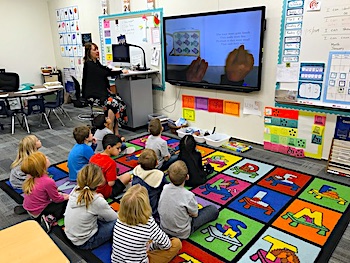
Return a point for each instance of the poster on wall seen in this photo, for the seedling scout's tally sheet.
(86, 38)
(68, 29)
(293, 132)
(314, 55)
(126, 5)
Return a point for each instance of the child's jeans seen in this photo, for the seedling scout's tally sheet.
(205, 215)
(103, 234)
(123, 146)
(166, 164)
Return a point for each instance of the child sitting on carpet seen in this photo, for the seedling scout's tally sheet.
(26, 147)
(136, 236)
(153, 179)
(193, 160)
(178, 207)
(89, 220)
(159, 145)
(113, 185)
(102, 124)
(81, 151)
(41, 197)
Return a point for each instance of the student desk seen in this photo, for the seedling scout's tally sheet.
(36, 91)
(14, 99)
(135, 89)
(28, 242)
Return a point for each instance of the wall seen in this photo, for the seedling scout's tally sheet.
(246, 127)
(26, 38)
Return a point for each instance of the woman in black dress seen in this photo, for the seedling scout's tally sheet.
(96, 86)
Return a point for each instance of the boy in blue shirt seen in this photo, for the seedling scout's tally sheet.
(81, 152)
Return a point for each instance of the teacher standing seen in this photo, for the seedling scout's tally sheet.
(96, 86)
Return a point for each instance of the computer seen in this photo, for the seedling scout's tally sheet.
(121, 55)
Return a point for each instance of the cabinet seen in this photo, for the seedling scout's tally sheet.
(137, 94)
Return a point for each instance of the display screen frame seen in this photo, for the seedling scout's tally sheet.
(180, 78)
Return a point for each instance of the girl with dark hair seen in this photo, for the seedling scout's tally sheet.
(193, 159)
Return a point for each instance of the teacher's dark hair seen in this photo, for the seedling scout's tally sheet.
(88, 47)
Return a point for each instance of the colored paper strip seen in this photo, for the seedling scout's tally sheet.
(106, 24)
(201, 103)
(189, 114)
(281, 113)
(215, 105)
(231, 108)
(188, 101)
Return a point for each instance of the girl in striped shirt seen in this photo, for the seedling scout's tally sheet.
(136, 236)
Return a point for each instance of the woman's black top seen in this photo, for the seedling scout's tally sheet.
(95, 82)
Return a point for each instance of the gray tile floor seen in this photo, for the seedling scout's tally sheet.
(58, 142)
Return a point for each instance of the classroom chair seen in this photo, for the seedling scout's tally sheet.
(52, 106)
(95, 109)
(35, 106)
(4, 112)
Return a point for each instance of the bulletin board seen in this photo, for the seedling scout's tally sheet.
(141, 28)
(313, 71)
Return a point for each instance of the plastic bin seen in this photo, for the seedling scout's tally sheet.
(200, 138)
(157, 115)
(182, 132)
(190, 130)
(216, 139)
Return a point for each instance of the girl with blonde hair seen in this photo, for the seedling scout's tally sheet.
(41, 197)
(137, 237)
(89, 220)
(26, 147)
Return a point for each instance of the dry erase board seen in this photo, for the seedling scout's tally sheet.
(314, 55)
(141, 28)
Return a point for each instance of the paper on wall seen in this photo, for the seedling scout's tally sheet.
(287, 72)
(155, 57)
(252, 107)
(136, 59)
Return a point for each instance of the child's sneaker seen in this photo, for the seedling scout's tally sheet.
(128, 150)
(47, 222)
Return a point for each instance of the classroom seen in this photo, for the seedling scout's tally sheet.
(33, 38)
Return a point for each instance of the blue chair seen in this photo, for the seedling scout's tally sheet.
(4, 112)
(35, 106)
(57, 105)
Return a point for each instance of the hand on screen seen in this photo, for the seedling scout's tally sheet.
(238, 64)
(196, 70)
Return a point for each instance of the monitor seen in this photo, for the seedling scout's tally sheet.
(121, 55)
(216, 50)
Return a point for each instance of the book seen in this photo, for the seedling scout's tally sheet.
(237, 146)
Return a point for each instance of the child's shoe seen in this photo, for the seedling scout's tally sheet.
(47, 222)
(19, 210)
(128, 150)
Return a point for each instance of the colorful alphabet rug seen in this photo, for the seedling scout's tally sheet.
(268, 214)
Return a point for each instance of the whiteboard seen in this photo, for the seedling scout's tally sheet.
(314, 54)
(141, 28)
